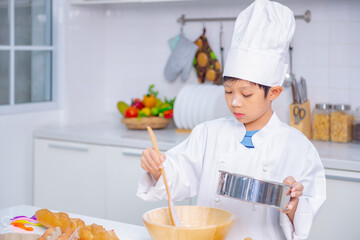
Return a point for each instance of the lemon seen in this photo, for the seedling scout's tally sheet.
(146, 110)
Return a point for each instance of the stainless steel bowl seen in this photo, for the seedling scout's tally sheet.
(253, 190)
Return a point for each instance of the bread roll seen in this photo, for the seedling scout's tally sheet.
(75, 223)
(47, 218)
(64, 220)
(85, 233)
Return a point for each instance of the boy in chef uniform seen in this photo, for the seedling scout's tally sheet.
(252, 142)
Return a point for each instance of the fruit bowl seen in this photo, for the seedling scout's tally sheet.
(142, 123)
(198, 223)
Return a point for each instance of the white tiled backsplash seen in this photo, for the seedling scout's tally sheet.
(116, 51)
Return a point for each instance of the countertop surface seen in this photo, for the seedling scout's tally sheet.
(124, 231)
(112, 134)
(334, 155)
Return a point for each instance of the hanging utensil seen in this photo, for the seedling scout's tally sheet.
(304, 87)
(290, 77)
(293, 92)
(173, 214)
(221, 40)
(297, 91)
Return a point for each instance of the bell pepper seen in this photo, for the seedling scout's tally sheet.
(168, 113)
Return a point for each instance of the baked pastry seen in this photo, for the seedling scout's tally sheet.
(70, 225)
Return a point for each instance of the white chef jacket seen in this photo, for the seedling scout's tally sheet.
(280, 151)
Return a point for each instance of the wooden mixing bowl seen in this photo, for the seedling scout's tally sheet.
(197, 223)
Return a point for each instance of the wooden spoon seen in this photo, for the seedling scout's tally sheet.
(175, 220)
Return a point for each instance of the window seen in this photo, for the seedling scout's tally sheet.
(27, 55)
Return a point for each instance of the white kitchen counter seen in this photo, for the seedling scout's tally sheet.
(112, 134)
(124, 231)
(334, 155)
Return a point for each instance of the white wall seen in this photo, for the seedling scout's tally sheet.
(116, 51)
(16, 154)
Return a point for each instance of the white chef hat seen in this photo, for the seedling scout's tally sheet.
(261, 38)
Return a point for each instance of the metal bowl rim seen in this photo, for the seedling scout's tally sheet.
(258, 179)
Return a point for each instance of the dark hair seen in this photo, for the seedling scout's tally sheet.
(266, 88)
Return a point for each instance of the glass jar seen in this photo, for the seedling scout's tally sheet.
(341, 123)
(321, 122)
(357, 125)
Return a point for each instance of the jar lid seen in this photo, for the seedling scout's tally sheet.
(323, 106)
(342, 107)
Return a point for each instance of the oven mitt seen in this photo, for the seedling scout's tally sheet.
(173, 41)
(180, 59)
(206, 65)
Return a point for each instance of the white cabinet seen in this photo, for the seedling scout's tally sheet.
(339, 216)
(124, 172)
(70, 177)
(94, 180)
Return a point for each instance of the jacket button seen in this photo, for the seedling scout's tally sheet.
(217, 200)
(255, 207)
(265, 169)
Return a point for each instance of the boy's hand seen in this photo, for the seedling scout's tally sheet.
(295, 192)
(151, 163)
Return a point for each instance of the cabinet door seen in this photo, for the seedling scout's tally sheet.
(70, 177)
(339, 216)
(124, 172)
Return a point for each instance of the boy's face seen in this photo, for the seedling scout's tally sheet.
(247, 101)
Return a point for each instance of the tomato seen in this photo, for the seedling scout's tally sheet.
(137, 103)
(131, 112)
(149, 101)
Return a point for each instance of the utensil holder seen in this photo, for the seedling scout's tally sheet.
(300, 118)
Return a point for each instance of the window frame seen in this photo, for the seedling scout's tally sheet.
(58, 66)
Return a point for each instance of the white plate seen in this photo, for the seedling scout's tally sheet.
(202, 104)
(178, 106)
(210, 102)
(184, 102)
(220, 108)
(194, 106)
(186, 107)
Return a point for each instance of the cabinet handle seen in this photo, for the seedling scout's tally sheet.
(342, 175)
(72, 148)
(132, 154)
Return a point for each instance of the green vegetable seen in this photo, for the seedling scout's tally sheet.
(151, 91)
(171, 102)
(154, 111)
(164, 109)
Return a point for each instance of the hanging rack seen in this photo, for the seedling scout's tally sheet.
(182, 20)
